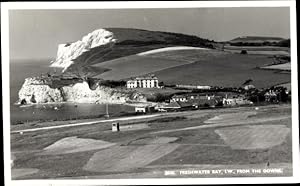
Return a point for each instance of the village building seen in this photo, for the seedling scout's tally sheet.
(271, 96)
(182, 98)
(236, 101)
(144, 109)
(249, 87)
(149, 81)
(192, 96)
(168, 107)
(196, 100)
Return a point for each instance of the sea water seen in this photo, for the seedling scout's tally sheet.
(21, 69)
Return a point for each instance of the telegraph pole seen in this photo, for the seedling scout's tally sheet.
(107, 114)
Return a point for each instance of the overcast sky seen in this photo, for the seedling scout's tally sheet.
(35, 34)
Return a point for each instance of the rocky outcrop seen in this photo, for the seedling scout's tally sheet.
(68, 52)
(34, 90)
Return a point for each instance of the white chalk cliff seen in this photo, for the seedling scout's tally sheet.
(34, 90)
(68, 52)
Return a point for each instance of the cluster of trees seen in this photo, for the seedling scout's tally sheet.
(219, 89)
(112, 83)
(285, 43)
(280, 95)
(159, 97)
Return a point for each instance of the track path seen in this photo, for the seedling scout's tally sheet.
(87, 123)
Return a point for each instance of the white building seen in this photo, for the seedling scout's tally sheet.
(149, 81)
(236, 101)
(144, 109)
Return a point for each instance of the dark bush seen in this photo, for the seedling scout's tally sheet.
(113, 84)
(158, 97)
(284, 43)
(161, 84)
(244, 52)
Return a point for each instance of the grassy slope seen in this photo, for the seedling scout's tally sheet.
(211, 67)
(224, 70)
(198, 67)
(129, 42)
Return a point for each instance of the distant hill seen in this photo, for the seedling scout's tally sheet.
(255, 39)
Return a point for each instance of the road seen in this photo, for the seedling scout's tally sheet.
(87, 123)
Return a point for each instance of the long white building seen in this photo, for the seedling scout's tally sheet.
(149, 81)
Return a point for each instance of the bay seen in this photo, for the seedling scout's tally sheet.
(19, 70)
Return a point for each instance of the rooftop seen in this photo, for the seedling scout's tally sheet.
(150, 76)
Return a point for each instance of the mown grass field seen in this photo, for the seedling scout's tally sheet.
(145, 152)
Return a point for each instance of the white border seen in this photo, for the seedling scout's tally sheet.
(163, 4)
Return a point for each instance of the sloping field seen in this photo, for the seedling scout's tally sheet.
(135, 66)
(154, 60)
(254, 137)
(74, 144)
(151, 61)
(284, 66)
(196, 66)
(227, 70)
(129, 42)
(124, 158)
(188, 55)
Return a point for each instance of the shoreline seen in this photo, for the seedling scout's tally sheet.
(112, 115)
(56, 105)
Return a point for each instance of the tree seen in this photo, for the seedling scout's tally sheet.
(161, 84)
(244, 52)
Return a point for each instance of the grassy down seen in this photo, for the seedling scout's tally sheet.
(229, 70)
(202, 146)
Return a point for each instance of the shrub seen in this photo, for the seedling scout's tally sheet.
(244, 52)
(158, 97)
(113, 84)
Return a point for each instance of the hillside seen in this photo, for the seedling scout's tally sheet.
(173, 58)
(195, 66)
(255, 39)
(111, 43)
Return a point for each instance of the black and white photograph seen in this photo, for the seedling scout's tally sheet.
(99, 92)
